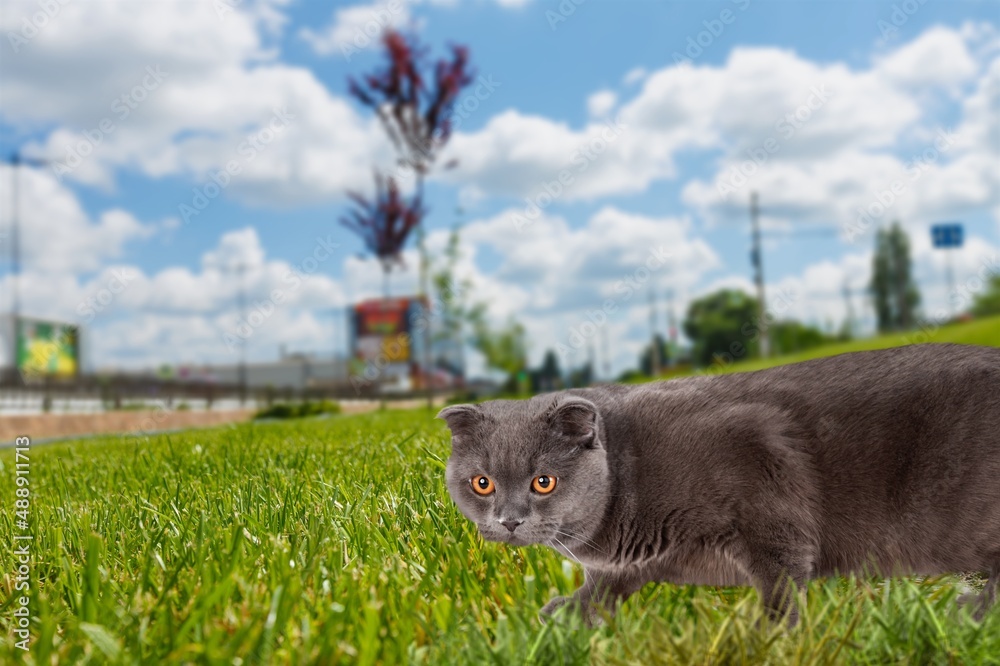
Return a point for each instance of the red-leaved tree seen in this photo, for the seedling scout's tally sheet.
(416, 116)
(384, 222)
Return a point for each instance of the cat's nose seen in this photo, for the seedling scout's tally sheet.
(511, 525)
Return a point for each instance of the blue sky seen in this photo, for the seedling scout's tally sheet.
(886, 82)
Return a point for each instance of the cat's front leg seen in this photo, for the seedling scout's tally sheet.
(600, 594)
(780, 575)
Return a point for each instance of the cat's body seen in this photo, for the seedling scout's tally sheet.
(882, 462)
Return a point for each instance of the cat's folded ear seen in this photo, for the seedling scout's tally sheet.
(576, 420)
(461, 420)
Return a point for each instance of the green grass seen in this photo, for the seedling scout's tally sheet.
(334, 541)
(979, 332)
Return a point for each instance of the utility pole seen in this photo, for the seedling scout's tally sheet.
(848, 309)
(591, 362)
(951, 281)
(425, 292)
(15, 161)
(606, 352)
(756, 259)
(672, 329)
(240, 269)
(653, 347)
(15, 240)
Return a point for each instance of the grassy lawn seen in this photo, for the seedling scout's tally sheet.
(979, 332)
(334, 541)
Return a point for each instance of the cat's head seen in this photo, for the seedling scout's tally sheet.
(527, 470)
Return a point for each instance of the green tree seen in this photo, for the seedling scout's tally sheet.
(452, 298)
(988, 302)
(722, 323)
(582, 376)
(893, 290)
(549, 375)
(505, 349)
(464, 321)
(788, 337)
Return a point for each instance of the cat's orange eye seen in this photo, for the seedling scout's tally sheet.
(543, 484)
(482, 485)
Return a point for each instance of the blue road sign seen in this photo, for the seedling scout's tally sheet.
(947, 235)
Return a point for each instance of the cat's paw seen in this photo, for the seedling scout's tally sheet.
(977, 604)
(555, 603)
(590, 615)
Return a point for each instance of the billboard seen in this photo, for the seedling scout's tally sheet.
(46, 348)
(381, 329)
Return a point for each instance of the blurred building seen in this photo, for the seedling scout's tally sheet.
(291, 371)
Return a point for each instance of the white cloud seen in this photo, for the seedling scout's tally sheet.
(835, 135)
(554, 277)
(357, 27)
(634, 75)
(939, 57)
(601, 103)
(734, 107)
(218, 89)
(57, 235)
(135, 319)
(76, 269)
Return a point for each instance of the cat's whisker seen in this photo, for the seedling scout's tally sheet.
(582, 539)
(571, 554)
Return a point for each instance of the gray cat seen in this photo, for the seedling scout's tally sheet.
(883, 462)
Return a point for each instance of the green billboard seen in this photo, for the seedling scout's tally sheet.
(47, 349)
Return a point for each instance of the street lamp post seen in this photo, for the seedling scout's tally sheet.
(15, 161)
(241, 296)
(241, 270)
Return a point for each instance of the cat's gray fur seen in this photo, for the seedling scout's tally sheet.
(882, 462)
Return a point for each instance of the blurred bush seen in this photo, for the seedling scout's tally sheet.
(286, 410)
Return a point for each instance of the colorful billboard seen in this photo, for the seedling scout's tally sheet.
(381, 329)
(46, 348)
